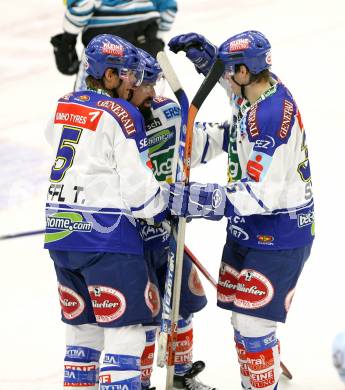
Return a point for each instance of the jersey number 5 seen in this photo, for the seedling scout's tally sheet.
(66, 151)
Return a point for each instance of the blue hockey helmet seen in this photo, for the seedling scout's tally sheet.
(250, 48)
(109, 51)
(152, 70)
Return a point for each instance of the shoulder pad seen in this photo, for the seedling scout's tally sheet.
(125, 114)
(273, 116)
(160, 101)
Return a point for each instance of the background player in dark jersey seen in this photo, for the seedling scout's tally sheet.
(144, 23)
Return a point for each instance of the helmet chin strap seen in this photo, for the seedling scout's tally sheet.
(243, 86)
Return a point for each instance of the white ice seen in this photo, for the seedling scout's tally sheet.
(308, 54)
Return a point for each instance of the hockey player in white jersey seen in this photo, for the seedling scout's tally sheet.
(163, 120)
(100, 182)
(268, 200)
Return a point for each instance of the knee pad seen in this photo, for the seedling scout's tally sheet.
(125, 340)
(250, 326)
(87, 335)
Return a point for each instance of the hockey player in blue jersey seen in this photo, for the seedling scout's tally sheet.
(268, 199)
(100, 182)
(144, 23)
(162, 132)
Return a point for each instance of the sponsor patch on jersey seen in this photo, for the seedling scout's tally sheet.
(239, 44)
(72, 304)
(254, 290)
(265, 239)
(152, 298)
(227, 283)
(257, 165)
(65, 223)
(152, 124)
(238, 232)
(108, 303)
(123, 116)
(305, 219)
(83, 98)
(252, 123)
(172, 112)
(112, 49)
(77, 115)
(286, 124)
(194, 283)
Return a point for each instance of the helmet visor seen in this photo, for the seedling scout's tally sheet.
(133, 77)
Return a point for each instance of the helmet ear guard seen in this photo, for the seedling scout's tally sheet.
(250, 48)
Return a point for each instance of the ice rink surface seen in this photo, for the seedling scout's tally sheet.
(308, 55)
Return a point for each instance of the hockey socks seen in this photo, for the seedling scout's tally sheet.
(263, 361)
(81, 367)
(120, 372)
(184, 349)
(242, 360)
(148, 356)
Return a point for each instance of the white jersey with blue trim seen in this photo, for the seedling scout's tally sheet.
(82, 15)
(101, 178)
(270, 186)
(163, 134)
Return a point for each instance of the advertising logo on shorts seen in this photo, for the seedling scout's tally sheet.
(254, 290)
(108, 304)
(72, 304)
(194, 283)
(288, 299)
(152, 298)
(227, 283)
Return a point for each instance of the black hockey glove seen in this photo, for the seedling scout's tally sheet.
(198, 49)
(66, 57)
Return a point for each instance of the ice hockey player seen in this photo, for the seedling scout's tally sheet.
(144, 23)
(163, 120)
(268, 200)
(100, 181)
(338, 354)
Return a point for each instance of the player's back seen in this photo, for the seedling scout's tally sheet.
(101, 175)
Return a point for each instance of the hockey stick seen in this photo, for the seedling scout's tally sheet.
(285, 371)
(198, 100)
(22, 234)
(177, 174)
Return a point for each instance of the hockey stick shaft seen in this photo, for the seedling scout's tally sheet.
(21, 234)
(199, 98)
(200, 267)
(173, 270)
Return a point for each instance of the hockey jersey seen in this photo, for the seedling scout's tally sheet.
(163, 134)
(94, 16)
(101, 178)
(270, 190)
